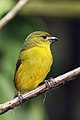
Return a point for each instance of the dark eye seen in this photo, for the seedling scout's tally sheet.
(44, 36)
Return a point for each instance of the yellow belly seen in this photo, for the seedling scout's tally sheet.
(36, 63)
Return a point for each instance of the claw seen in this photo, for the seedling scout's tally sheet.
(20, 98)
(47, 83)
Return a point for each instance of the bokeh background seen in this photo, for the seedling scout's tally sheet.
(61, 18)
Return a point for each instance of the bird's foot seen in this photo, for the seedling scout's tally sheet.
(20, 98)
(47, 83)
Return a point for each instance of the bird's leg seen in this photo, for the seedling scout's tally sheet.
(20, 98)
(47, 83)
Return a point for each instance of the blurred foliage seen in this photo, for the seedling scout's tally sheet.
(64, 102)
(5, 5)
(65, 8)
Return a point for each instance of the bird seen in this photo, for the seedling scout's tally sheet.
(34, 62)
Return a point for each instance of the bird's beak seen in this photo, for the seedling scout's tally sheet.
(52, 39)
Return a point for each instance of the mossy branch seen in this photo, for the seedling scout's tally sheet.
(53, 83)
(12, 13)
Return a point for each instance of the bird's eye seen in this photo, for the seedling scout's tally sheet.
(44, 36)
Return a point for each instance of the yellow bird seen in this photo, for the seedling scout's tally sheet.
(34, 63)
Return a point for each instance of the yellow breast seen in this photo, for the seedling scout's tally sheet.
(36, 63)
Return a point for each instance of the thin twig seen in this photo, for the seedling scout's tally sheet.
(12, 13)
(53, 83)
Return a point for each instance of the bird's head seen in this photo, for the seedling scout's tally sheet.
(39, 38)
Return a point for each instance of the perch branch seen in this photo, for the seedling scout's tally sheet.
(53, 83)
(12, 13)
